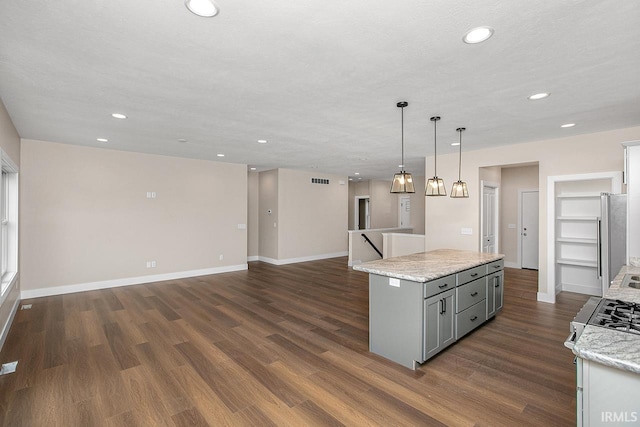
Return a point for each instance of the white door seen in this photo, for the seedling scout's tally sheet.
(405, 211)
(529, 232)
(489, 215)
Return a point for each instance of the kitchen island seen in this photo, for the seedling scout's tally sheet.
(419, 304)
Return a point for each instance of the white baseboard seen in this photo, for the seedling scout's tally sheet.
(580, 289)
(253, 258)
(7, 325)
(302, 259)
(545, 297)
(511, 264)
(105, 284)
(354, 262)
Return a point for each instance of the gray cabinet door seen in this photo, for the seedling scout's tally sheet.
(439, 322)
(495, 293)
(432, 309)
(499, 291)
(447, 320)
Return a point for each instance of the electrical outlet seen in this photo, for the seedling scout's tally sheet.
(221, 257)
(153, 264)
(148, 264)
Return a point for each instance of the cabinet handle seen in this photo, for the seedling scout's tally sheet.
(443, 286)
(444, 306)
(473, 275)
(473, 319)
(497, 285)
(473, 294)
(496, 266)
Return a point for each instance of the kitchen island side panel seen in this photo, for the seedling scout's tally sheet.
(396, 319)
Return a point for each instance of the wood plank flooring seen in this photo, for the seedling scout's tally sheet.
(277, 346)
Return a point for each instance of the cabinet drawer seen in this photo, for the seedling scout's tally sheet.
(439, 285)
(471, 318)
(495, 266)
(470, 294)
(471, 274)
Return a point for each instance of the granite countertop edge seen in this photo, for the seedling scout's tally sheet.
(427, 266)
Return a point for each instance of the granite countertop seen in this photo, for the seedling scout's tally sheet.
(426, 266)
(613, 348)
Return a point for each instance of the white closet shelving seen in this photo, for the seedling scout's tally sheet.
(576, 236)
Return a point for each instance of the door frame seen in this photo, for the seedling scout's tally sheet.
(519, 222)
(496, 205)
(356, 212)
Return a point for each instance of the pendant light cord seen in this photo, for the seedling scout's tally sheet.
(460, 156)
(435, 148)
(402, 132)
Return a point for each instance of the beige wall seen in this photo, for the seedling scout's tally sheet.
(313, 217)
(253, 204)
(513, 179)
(268, 200)
(10, 144)
(85, 215)
(383, 204)
(598, 152)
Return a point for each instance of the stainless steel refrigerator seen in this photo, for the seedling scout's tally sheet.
(612, 237)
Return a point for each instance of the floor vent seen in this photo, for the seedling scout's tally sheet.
(26, 306)
(8, 368)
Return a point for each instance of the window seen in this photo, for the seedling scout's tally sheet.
(8, 223)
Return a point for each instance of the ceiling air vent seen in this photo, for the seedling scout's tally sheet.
(319, 181)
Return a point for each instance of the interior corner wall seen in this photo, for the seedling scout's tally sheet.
(268, 214)
(10, 144)
(253, 203)
(313, 217)
(513, 179)
(597, 152)
(86, 218)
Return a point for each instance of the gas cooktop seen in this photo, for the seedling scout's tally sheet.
(618, 315)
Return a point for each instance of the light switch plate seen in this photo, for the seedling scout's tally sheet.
(466, 231)
(512, 226)
(394, 282)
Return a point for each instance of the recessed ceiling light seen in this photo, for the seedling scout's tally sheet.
(102, 140)
(568, 125)
(220, 155)
(357, 173)
(455, 144)
(262, 141)
(118, 116)
(539, 96)
(253, 169)
(350, 179)
(477, 35)
(204, 8)
(182, 140)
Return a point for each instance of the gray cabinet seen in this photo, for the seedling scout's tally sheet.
(495, 293)
(471, 308)
(410, 321)
(439, 322)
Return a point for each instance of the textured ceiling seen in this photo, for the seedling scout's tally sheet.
(318, 79)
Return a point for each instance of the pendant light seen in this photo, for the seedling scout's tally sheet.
(402, 181)
(435, 185)
(459, 188)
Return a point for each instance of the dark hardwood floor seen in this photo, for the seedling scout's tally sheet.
(277, 346)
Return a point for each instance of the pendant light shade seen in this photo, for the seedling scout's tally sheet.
(459, 188)
(402, 181)
(435, 185)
